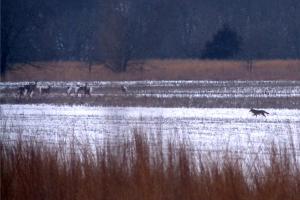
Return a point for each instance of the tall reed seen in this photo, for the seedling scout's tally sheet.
(142, 168)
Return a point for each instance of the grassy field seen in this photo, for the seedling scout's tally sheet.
(205, 94)
(173, 69)
(139, 168)
(123, 101)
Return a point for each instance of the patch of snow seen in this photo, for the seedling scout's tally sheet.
(207, 129)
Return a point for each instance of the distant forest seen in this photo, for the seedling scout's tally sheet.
(97, 30)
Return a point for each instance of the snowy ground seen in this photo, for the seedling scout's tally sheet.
(212, 129)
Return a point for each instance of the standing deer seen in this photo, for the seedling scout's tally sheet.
(69, 90)
(22, 91)
(124, 88)
(44, 90)
(31, 88)
(27, 89)
(84, 89)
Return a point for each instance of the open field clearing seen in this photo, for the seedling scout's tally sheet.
(238, 94)
(212, 130)
(159, 69)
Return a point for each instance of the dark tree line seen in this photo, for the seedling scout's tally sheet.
(18, 25)
(226, 43)
(117, 31)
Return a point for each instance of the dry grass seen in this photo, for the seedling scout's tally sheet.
(134, 169)
(172, 69)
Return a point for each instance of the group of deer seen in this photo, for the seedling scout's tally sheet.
(29, 89)
(84, 90)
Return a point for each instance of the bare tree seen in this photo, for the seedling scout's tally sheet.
(129, 32)
(248, 54)
(116, 35)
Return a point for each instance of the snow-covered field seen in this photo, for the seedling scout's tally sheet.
(210, 129)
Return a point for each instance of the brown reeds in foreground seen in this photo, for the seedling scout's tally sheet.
(139, 168)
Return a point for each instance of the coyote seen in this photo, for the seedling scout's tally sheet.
(258, 112)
